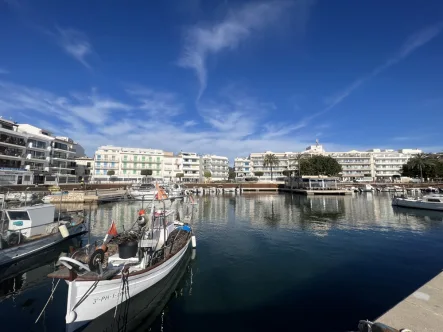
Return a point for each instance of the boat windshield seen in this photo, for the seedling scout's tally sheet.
(18, 215)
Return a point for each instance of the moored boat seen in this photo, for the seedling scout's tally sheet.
(28, 230)
(428, 202)
(104, 277)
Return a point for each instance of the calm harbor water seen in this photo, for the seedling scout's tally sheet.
(269, 261)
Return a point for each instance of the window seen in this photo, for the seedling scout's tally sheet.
(125, 157)
(150, 158)
(150, 165)
(134, 171)
(143, 158)
(113, 165)
(113, 158)
(157, 173)
(158, 159)
(135, 158)
(124, 171)
(18, 215)
(99, 156)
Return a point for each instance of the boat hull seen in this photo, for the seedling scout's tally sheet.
(416, 204)
(140, 312)
(107, 294)
(10, 256)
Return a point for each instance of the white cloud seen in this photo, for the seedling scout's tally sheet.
(76, 44)
(233, 126)
(79, 110)
(415, 41)
(190, 123)
(227, 34)
(156, 103)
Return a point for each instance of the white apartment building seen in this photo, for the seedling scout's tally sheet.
(84, 166)
(192, 167)
(172, 165)
(378, 164)
(52, 157)
(217, 165)
(30, 155)
(243, 168)
(127, 163)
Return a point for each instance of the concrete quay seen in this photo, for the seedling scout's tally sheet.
(422, 311)
(318, 192)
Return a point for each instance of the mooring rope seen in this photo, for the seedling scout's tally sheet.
(47, 302)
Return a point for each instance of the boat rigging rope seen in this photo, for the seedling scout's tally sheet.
(125, 293)
(47, 302)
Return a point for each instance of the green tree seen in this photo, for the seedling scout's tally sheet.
(146, 172)
(258, 173)
(110, 173)
(179, 176)
(298, 161)
(231, 173)
(287, 173)
(320, 165)
(271, 161)
(207, 175)
(421, 164)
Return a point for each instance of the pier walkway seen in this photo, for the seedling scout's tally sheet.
(422, 311)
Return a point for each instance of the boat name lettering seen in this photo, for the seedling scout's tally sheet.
(106, 297)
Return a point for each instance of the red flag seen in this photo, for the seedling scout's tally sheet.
(113, 229)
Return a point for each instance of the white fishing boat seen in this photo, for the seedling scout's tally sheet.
(428, 202)
(135, 261)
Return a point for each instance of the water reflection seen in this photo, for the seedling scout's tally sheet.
(318, 214)
(261, 256)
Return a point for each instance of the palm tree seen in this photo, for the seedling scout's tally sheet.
(298, 162)
(420, 161)
(270, 160)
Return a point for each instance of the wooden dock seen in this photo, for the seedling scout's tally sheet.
(310, 192)
(422, 311)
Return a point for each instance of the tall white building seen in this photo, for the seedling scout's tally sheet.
(127, 163)
(172, 165)
(30, 155)
(243, 168)
(53, 157)
(192, 167)
(380, 165)
(217, 165)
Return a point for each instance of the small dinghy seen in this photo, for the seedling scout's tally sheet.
(103, 277)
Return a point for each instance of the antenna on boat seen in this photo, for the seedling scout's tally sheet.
(60, 205)
(89, 222)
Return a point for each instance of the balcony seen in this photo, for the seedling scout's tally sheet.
(106, 167)
(11, 165)
(33, 144)
(12, 141)
(11, 153)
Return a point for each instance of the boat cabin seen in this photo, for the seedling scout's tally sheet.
(433, 198)
(30, 220)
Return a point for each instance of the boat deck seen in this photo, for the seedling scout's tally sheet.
(176, 241)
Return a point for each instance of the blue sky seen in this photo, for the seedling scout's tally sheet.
(226, 77)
